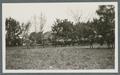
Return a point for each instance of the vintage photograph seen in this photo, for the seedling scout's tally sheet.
(60, 36)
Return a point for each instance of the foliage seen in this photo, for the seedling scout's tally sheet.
(13, 31)
(106, 23)
(63, 29)
(100, 30)
(36, 37)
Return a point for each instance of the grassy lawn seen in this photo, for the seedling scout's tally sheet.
(59, 58)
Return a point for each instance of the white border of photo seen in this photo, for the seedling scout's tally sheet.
(115, 70)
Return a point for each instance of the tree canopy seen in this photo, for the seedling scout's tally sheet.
(101, 29)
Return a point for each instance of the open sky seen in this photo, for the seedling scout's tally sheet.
(24, 12)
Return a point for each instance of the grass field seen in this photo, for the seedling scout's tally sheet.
(59, 58)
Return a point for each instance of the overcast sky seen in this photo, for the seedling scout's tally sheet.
(24, 12)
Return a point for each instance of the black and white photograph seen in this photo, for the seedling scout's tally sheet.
(70, 37)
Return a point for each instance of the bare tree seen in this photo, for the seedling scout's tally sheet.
(42, 22)
(25, 29)
(35, 24)
(76, 15)
(25, 34)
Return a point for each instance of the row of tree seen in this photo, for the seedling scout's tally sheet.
(19, 33)
(99, 30)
